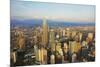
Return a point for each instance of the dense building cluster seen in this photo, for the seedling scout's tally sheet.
(52, 45)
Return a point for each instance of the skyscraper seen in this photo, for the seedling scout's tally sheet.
(52, 36)
(13, 56)
(52, 39)
(43, 51)
(21, 40)
(44, 33)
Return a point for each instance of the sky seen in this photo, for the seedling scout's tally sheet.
(25, 10)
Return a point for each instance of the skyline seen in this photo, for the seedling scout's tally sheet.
(22, 10)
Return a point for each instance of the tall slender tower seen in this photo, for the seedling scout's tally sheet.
(21, 40)
(44, 42)
(52, 36)
(44, 33)
(52, 39)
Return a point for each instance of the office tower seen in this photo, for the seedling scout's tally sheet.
(90, 36)
(52, 40)
(39, 55)
(52, 59)
(58, 46)
(61, 32)
(13, 56)
(73, 34)
(21, 40)
(45, 56)
(35, 37)
(65, 48)
(58, 33)
(44, 33)
(77, 38)
(64, 32)
(42, 55)
(84, 43)
(52, 36)
(74, 57)
(36, 52)
(74, 46)
(68, 32)
(59, 53)
(80, 36)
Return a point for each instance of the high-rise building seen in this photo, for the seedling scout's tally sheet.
(52, 59)
(90, 36)
(74, 57)
(21, 40)
(13, 56)
(75, 46)
(65, 48)
(73, 34)
(52, 40)
(52, 36)
(67, 32)
(36, 51)
(39, 55)
(42, 55)
(64, 32)
(44, 33)
(80, 36)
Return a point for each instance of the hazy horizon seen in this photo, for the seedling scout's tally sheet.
(22, 10)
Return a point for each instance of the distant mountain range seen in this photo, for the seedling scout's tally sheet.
(51, 23)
